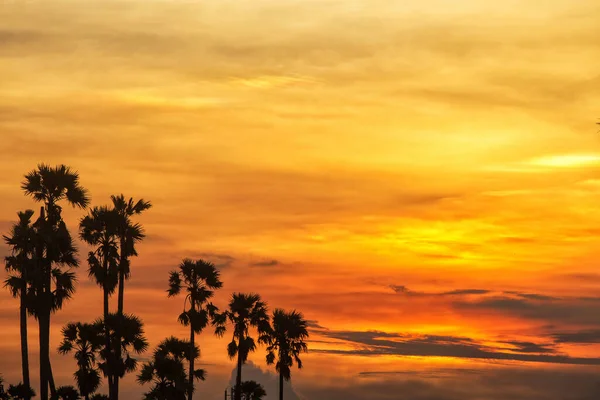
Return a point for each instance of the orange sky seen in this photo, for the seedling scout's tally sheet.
(425, 171)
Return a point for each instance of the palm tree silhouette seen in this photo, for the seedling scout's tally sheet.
(252, 390)
(21, 241)
(19, 392)
(245, 311)
(167, 371)
(86, 341)
(287, 339)
(199, 279)
(99, 229)
(54, 248)
(132, 341)
(129, 234)
(66, 393)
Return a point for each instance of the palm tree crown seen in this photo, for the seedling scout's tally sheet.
(86, 341)
(287, 340)
(167, 371)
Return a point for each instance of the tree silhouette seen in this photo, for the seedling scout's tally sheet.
(21, 240)
(66, 393)
(166, 370)
(99, 396)
(129, 234)
(287, 339)
(19, 392)
(132, 342)
(245, 311)
(252, 390)
(85, 340)
(199, 279)
(99, 229)
(51, 286)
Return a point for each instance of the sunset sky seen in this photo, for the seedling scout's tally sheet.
(420, 179)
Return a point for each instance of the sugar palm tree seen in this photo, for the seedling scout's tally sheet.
(21, 241)
(129, 234)
(287, 340)
(166, 370)
(99, 229)
(133, 341)
(245, 311)
(199, 279)
(66, 393)
(252, 390)
(86, 341)
(54, 248)
(19, 392)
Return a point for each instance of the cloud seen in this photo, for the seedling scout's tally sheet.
(271, 263)
(581, 337)
(375, 343)
(576, 310)
(400, 289)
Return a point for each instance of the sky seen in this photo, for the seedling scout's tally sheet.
(420, 179)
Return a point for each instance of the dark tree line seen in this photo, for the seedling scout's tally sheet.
(41, 275)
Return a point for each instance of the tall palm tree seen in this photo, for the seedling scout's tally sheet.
(252, 390)
(54, 248)
(199, 279)
(21, 241)
(133, 341)
(245, 311)
(166, 370)
(129, 234)
(86, 341)
(99, 229)
(287, 340)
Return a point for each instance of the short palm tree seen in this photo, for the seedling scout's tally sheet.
(19, 264)
(252, 390)
(199, 279)
(166, 370)
(66, 393)
(129, 234)
(245, 311)
(287, 340)
(54, 248)
(99, 229)
(132, 342)
(86, 341)
(19, 392)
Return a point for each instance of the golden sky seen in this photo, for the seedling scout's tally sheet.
(421, 179)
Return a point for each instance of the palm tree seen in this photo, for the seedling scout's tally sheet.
(252, 390)
(19, 392)
(199, 279)
(132, 342)
(245, 311)
(99, 229)
(287, 340)
(129, 234)
(66, 393)
(86, 341)
(166, 370)
(21, 240)
(54, 248)
(99, 396)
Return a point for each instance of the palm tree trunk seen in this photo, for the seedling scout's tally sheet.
(121, 300)
(44, 349)
(107, 349)
(24, 343)
(51, 376)
(238, 379)
(191, 377)
(280, 386)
